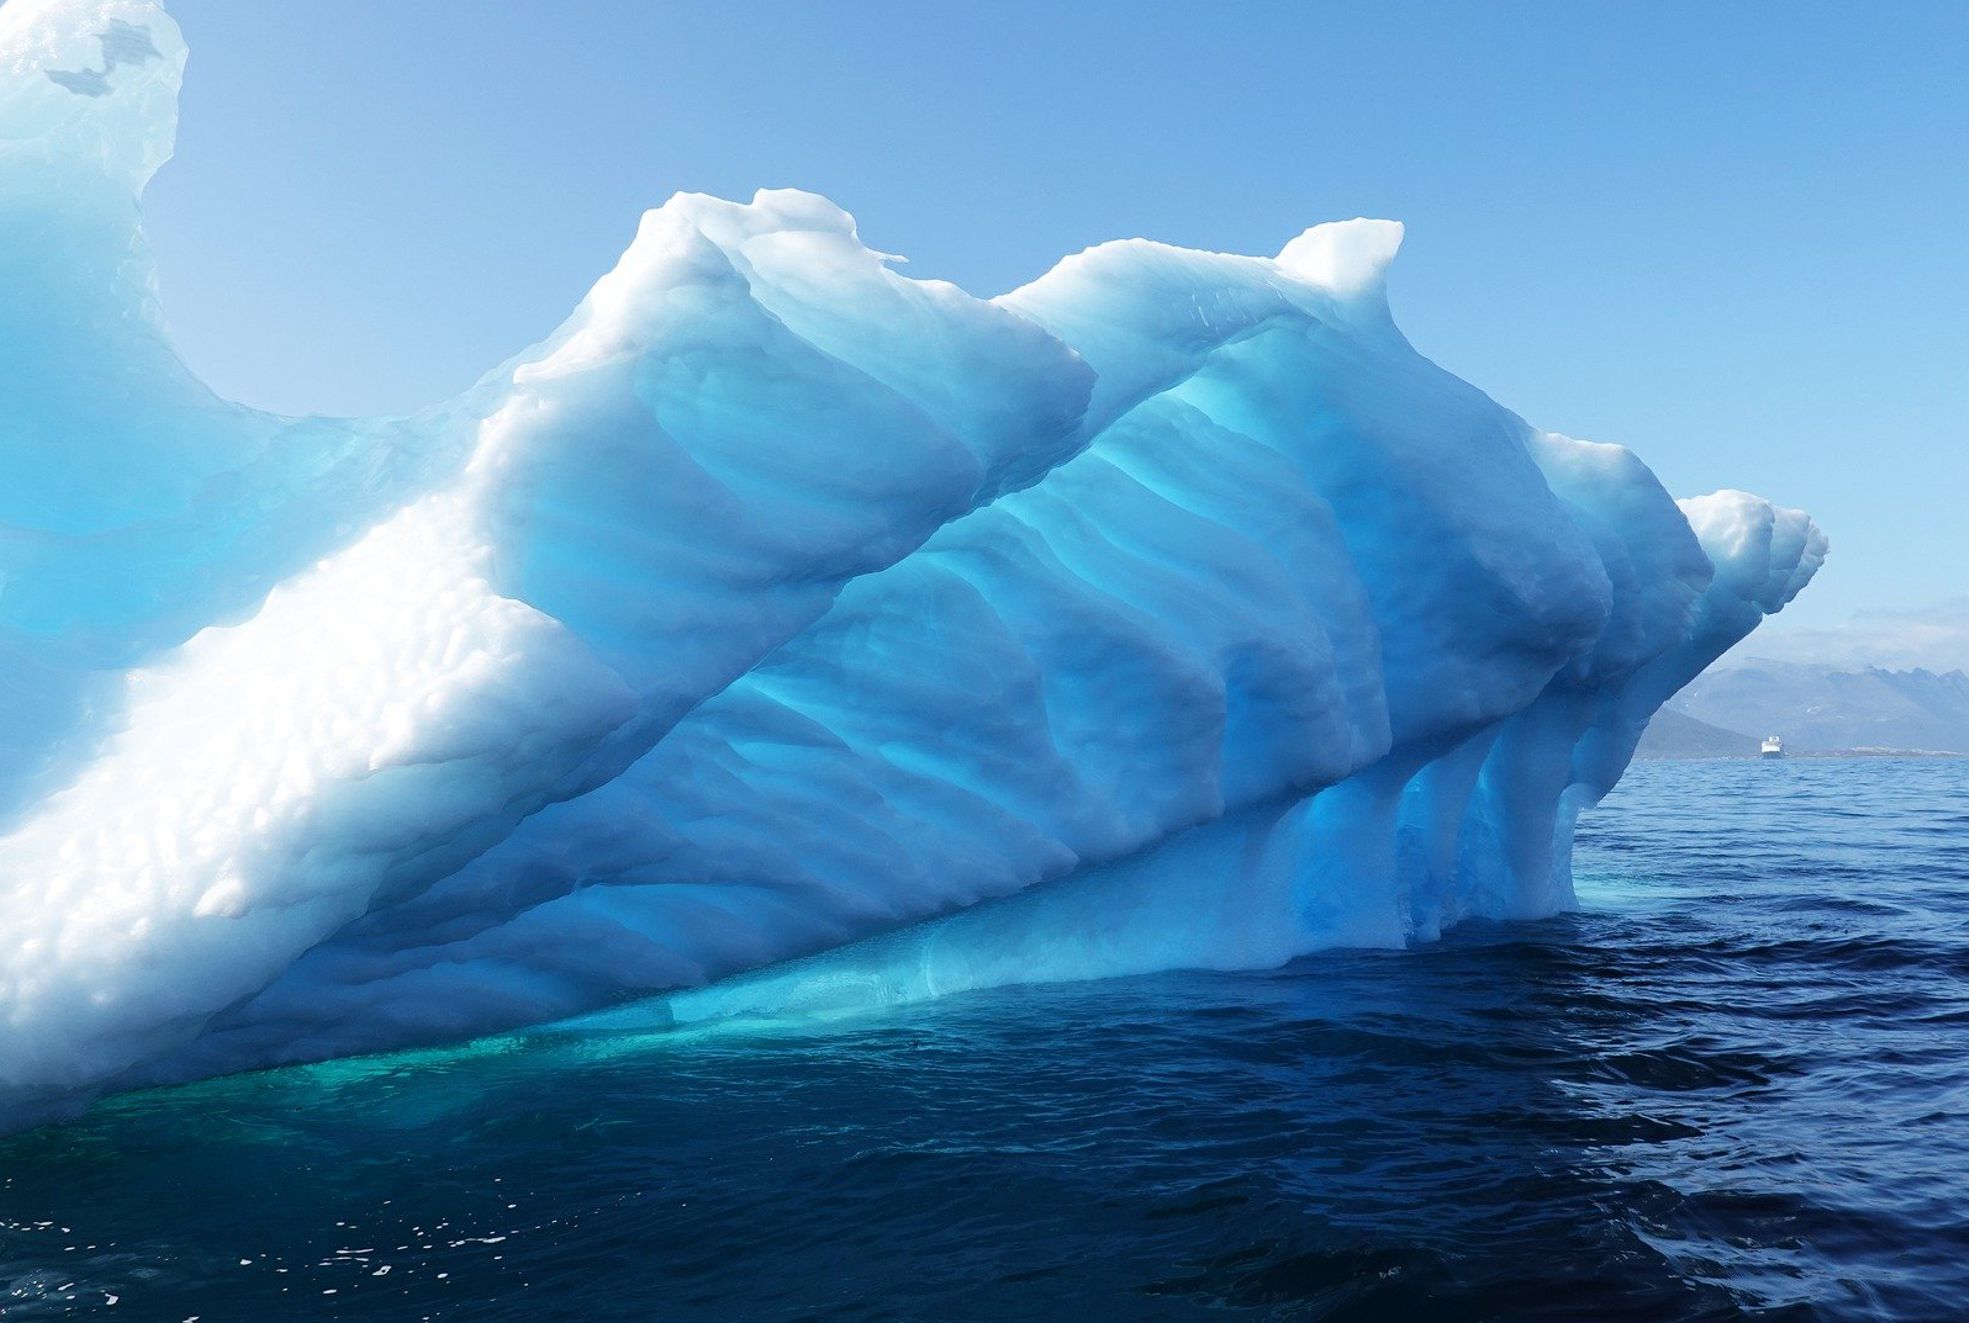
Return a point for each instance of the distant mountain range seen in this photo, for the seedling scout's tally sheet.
(1815, 708)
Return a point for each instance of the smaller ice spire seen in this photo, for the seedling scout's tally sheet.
(90, 84)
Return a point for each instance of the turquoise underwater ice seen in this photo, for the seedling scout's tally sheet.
(1168, 611)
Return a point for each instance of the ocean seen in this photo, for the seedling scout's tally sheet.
(1734, 1085)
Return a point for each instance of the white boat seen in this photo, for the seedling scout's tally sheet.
(1773, 747)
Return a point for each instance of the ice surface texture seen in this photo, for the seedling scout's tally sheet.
(1170, 610)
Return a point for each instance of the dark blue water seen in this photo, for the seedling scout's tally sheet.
(1736, 1086)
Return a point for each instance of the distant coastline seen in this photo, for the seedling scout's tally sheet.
(1644, 755)
(1820, 711)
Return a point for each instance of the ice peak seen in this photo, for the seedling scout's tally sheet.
(1350, 257)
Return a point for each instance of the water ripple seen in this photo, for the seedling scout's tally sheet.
(1735, 1086)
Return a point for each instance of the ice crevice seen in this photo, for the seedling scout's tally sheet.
(780, 632)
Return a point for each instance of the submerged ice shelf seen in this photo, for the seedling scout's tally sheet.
(1170, 610)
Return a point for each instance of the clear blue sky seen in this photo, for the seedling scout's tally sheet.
(1731, 236)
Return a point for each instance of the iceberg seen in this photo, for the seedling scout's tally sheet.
(779, 632)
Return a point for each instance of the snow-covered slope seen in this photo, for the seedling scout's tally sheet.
(1169, 610)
